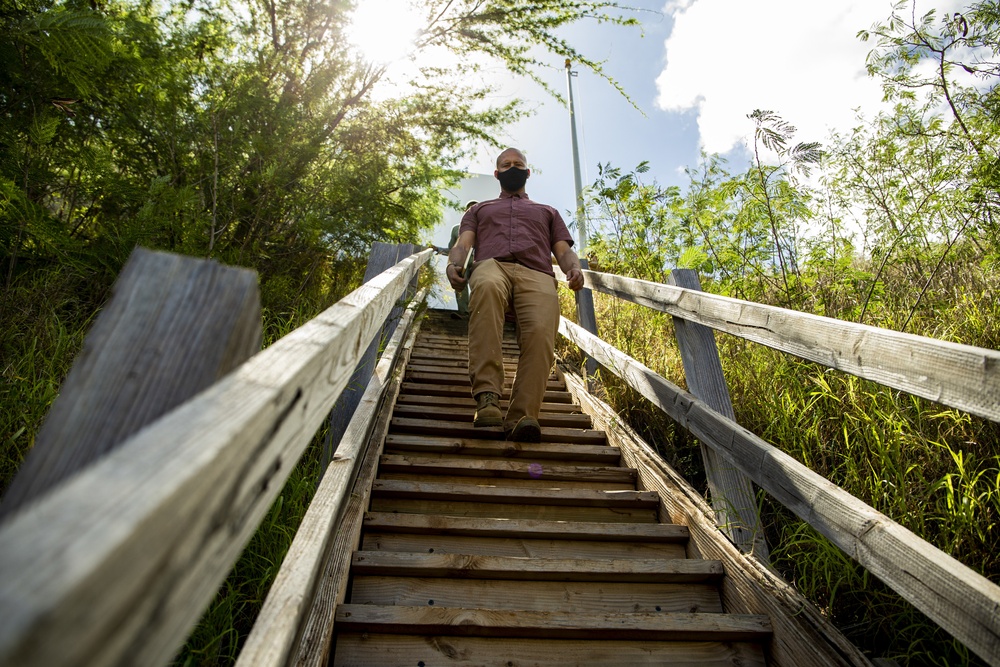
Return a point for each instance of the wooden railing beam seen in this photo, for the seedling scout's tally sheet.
(960, 376)
(135, 546)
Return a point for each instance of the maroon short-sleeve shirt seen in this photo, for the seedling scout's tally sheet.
(514, 227)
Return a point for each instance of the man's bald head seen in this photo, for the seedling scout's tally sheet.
(509, 155)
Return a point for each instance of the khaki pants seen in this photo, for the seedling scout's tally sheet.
(536, 304)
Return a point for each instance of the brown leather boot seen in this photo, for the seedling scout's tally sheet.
(487, 410)
(526, 430)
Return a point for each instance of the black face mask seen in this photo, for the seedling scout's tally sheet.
(513, 179)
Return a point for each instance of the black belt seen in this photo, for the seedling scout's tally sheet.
(508, 260)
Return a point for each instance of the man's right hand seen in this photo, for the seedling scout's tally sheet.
(458, 283)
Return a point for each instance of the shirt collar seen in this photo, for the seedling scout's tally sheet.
(513, 195)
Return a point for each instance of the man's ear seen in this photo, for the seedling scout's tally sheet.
(496, 174)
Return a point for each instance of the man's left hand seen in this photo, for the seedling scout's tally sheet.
(574, 278)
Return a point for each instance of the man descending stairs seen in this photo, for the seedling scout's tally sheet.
(482, 551)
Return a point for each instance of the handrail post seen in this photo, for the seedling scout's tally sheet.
(732, 492)
(174, 326)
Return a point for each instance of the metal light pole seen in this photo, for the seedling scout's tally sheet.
(584, 298)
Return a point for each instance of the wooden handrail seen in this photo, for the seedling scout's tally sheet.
(959, 376)
(280, 621)
(115, 565)
(961, 601)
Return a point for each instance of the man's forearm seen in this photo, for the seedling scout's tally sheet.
(457, 255)
(568, 261)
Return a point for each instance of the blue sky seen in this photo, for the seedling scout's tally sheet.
(695, 70)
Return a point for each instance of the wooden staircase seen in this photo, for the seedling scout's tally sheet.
(478, 551)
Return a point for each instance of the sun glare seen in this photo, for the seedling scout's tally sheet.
(383, 30)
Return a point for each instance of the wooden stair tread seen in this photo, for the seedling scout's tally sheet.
(467, 413)
(467, 430)
(519, 546)
(535, 595)
(466, 566)
(525, 528)
(501, 449)
(547, 624)
(462, 380)
(371, 649)
(467, 401)
(464, 493)
(459, 391)
(411, 464)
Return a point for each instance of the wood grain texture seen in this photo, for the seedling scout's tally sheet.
(515, 546)
(472, 566)
(467, 401)
(289, 599)
(174, 325)
(417, 465)
(462, 493)
(732, 493)
(553, 625)
(565, 596)
(377, 650)
(458, 391)
(467, 430)
(467, 413)
(960, 376)
(137, 544)
(529, 528)
(516, 510)
(381, 257)
(502, 448)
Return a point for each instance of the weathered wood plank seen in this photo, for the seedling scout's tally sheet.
(449, 525)
(533, 548)
(137, 544)
(468, 401)
(550, 396)
(466, 566)
(467, 430)
(553, 625)
(507, 482)
(466, 414)
(961, 376)
(462, 380)
(504, 448)
(515, 510)
(381, 257)
(377, 650)
(288, 601)
(960, 600)
(416, 465)
(461, 493)
(732, 492)
(565, 596)
(174, 325)
(316, 636)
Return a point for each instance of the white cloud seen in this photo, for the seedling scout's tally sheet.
(800, 59)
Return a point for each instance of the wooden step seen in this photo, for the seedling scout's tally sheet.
(565, 596)
(456, 368)
(462, 493)
(428, 444)
(519, 547)
(467, 413)
(417, 465)
(371, 649)
(467, 566)
(467, 401)
(467, 430)
(525, 528)
(462, 379)
(459, 391)
(664, 626)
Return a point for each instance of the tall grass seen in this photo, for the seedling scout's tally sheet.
(933, 469)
